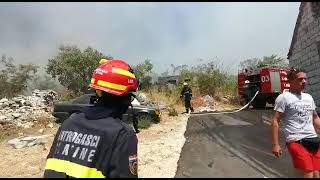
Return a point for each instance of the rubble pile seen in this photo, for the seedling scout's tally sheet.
(208, 100)
(208, 103)
(22, 111)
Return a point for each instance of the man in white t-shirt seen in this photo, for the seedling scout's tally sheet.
(300, 121)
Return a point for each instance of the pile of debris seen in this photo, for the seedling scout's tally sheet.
(208, 103)
(22, 111)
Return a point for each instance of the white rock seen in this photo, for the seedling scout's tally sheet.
(50, 125)
(19, 124)
(25, 142)
(30, 138)
(16, 99)
(15, 106)
(18, 143)
(4, 105)
(11, 102)
(21, 144)
(225, 100)
(23, 118)
(16, 115)
(13, 141)
(41, 131)
(9, 119)
(208, 100)
(3, 118)
(27, 125)
(27, 103)
(22, 102)
(3, 100)
(33, 143)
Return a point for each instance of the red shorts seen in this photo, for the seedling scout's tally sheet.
(302, 159)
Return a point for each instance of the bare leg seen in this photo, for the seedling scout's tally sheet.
(306, 174)
(316, 174)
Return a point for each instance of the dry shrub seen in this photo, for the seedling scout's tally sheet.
(172, 111)
(169, 98)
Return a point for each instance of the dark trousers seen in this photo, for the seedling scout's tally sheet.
(187, 104)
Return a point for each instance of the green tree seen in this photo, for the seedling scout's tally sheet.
(272, 61)
(13, 79)
(143, 71)
(187, 73)
(74, 67)
(209, 78)
(144, 68)
(249, 63)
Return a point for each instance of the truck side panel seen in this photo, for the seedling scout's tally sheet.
(274, 80)
(265, 81)
(284, 80)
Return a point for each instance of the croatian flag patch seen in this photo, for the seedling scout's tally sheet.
(133, 164)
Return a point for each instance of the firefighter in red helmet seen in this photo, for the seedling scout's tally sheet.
(95, 142)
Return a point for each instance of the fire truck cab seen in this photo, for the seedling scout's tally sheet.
(269, 81)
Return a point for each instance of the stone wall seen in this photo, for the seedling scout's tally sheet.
(306, 48)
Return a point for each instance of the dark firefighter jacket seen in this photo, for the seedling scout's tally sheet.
(187, 93)
(92, 144)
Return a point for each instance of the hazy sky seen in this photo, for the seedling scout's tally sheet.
(167, 33)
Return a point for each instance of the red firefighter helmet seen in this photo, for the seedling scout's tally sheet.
(114, 77)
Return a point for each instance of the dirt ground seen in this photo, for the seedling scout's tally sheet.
(159, 148)
(29, 161)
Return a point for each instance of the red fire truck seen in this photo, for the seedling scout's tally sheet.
(269, 81)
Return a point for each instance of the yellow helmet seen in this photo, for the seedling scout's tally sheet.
(102, 61)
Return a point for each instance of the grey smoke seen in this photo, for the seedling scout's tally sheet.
(166, 33)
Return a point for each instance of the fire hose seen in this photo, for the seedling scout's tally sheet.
(242, 108)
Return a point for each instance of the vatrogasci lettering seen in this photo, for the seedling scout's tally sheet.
(77, 145)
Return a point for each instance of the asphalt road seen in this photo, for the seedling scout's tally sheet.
(232, 145)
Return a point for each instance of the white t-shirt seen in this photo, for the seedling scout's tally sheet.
(297, 115)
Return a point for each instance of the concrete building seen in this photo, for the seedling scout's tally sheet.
(304, 50)
(170, 82)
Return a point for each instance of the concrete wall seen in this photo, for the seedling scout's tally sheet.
(306, 48)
